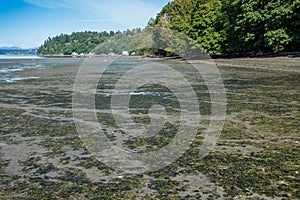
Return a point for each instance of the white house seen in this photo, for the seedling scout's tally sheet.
(125, 53)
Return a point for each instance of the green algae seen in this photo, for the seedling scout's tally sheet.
(263, 110)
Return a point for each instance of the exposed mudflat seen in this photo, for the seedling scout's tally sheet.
(256, 157)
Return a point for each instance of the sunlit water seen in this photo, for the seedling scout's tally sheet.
(14, 68)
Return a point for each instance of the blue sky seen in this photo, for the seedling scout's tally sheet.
(27, 23)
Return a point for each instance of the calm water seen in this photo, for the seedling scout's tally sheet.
(14, 68)
(12, 61)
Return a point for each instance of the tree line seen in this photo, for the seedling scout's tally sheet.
(79, 42)
(236, 26)
(220, 27)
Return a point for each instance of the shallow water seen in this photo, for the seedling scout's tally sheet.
(18, 68)
(13, 57)
(2, 144)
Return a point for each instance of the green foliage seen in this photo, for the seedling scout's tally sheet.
(207, 29)
(91, 42)
(152, 41)
(80, 42)
(261, 25)
(236, 26)
(126, 41)
(219, 26)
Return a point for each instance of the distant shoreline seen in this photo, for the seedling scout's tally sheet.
(229, 56)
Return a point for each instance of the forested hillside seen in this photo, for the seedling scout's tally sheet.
(79, 42)
(236, 26)
(221, 27)
(86, 42)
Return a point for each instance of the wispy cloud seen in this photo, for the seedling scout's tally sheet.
(133, 12)
(123, 12)
(93, 20)
(50, 4)
(6, 45)
(25, 46)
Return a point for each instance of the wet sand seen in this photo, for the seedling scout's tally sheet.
(257, 155)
